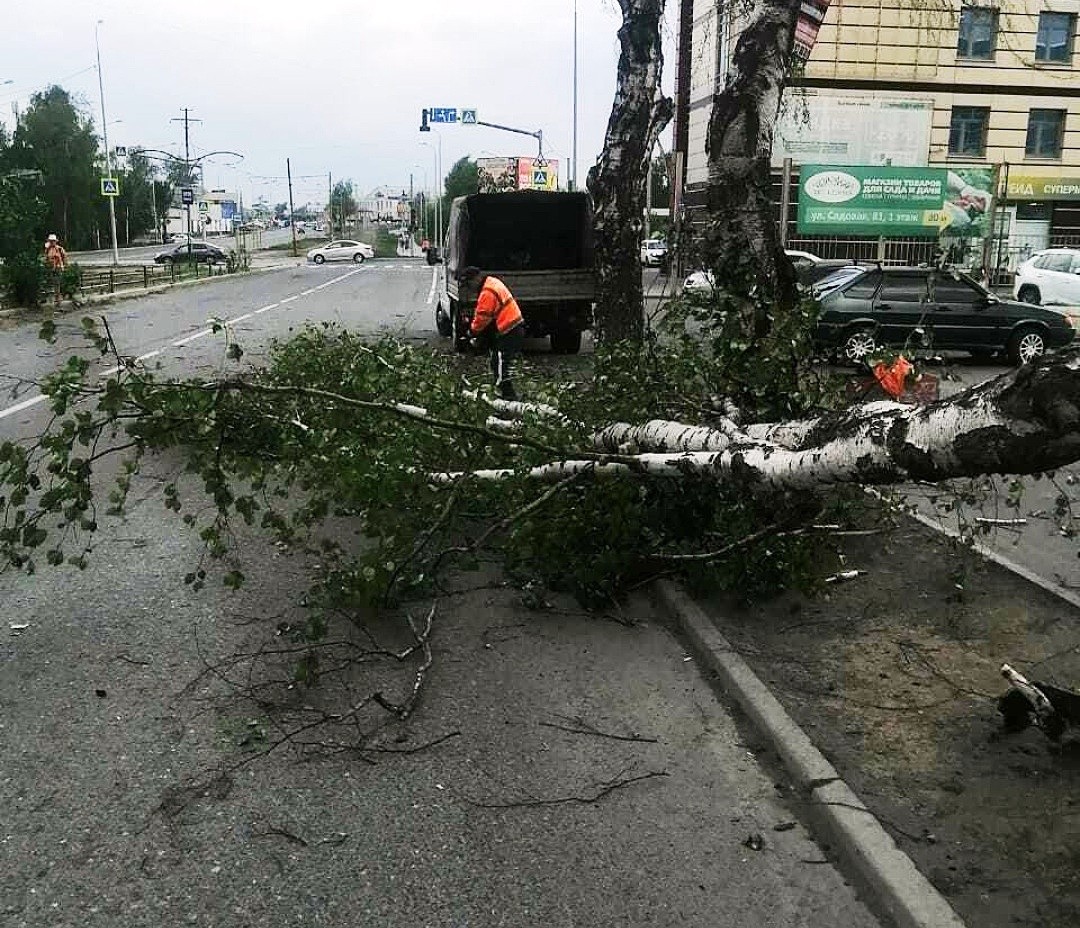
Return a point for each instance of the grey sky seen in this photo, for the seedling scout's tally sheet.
(335, 85)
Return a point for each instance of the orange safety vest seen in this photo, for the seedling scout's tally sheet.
(497, 303)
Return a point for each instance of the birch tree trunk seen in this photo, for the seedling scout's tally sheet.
(617, 181)
(741, 243)
(1025, 422)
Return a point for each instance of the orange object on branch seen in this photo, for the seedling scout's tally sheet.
(891, 377)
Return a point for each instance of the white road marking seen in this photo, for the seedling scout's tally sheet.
(25, 404)
(202, 333)
(434, 282)
(186, 340)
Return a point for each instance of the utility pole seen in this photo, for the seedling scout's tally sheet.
(187, 120)
(573, 148)
(330, 200)
(412, 218)
(292, 219)
(105, 137)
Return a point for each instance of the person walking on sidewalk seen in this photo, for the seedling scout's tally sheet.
(497, 324)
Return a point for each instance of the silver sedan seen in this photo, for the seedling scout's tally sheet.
(341, 250)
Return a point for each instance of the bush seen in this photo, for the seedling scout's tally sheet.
(23, 278)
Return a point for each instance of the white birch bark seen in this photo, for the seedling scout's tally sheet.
(1024, 422)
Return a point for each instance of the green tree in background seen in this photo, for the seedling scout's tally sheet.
(53, 137)
(460, 182)
(342, 205)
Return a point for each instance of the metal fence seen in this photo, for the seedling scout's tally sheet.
(109, 279)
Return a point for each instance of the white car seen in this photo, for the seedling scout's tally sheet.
(341, 250)
(653, 252)
(1051, 277)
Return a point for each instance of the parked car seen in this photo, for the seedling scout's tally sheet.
(341, 250)
(196, 252)
(654, 252)
(175, 238)
(903, 306)
(1049, 277)
(809, 269)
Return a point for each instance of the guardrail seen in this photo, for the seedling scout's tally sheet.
(110, 279)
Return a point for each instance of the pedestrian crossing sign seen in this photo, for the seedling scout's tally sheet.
(110, 187)
(540, 178)
(468, 117)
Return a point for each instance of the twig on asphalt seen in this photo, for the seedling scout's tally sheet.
(604, 790)
(579, 726)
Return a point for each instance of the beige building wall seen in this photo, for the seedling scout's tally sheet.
(890, 48)
(912, 44)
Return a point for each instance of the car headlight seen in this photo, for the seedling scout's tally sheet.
(1074, 319)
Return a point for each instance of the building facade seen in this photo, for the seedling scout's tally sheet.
(922, 83)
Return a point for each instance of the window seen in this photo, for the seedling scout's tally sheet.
(967, 131)
(1054, 261)
(1054, 39)
(978, 32)
(903, 288)
(864, 287)
(957, 291)
(1045, 133)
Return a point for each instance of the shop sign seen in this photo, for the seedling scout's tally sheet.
(877, 200)
(1048, 187)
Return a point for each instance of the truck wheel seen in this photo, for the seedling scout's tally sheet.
(566, 341)
(443, 323)
(459, 329)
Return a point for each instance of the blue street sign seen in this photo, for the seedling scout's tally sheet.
(187, 196)
(443, 114)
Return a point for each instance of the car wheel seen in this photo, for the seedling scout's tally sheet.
(1029, 293)
(443, 324)
(1026, 345)
(358, 258)
(318, 259)
(859, 346)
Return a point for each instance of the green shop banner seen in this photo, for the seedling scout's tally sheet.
(867, 200)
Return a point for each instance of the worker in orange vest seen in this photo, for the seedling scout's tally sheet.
(497, 324)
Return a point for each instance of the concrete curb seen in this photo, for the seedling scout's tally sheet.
(865, 848)
(1002, 561)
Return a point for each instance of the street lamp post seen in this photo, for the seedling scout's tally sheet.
(436, 152)
(105, 138)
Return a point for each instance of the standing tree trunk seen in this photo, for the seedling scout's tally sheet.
(617, 180)
(741, 243)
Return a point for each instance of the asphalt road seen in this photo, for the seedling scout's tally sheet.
(529, 814)
(1043, 541)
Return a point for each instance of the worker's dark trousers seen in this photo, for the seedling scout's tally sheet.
(504, 353)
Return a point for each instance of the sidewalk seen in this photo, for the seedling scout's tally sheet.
(588, 777)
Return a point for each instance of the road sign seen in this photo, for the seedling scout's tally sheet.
(110, 187)
(120, 151)
(204, 207)
(468, 117)
(540, 178)
(443, 114)
(187, 196)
